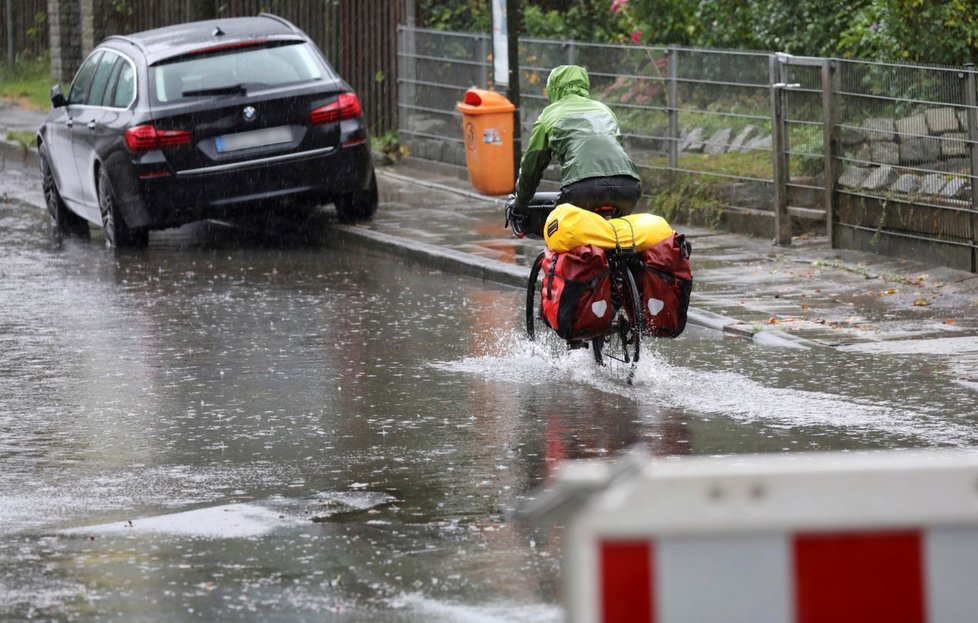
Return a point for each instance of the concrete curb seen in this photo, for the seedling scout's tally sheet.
(12, 150)
(433, 255)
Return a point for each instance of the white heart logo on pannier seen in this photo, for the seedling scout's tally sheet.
(599, 308)
(655, 306)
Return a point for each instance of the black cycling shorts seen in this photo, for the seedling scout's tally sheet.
(593, 193)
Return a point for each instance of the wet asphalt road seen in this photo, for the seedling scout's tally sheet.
(252, 424)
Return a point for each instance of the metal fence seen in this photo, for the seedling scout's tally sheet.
(882, 156)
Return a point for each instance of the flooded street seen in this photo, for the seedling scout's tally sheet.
(229, 425)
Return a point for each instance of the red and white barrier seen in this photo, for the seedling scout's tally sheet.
(833, 538)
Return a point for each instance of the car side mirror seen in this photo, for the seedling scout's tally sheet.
(57, 97)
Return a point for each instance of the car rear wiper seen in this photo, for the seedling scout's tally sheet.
(232, 89)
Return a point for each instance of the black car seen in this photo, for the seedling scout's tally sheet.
(214, 119)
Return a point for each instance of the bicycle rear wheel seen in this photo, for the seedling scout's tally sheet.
(535, 327)
(621, 345)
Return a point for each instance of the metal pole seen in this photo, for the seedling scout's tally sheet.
(782, 222)
(829, 144)
(514, 23)
(971, 99)
(11, 54)
(484, 59)
(673, 146)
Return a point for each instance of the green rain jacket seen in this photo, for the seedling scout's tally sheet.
(581, 133)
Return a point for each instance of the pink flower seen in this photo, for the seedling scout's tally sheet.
(618, 5)
(637, 37)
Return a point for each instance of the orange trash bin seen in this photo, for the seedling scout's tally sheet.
(487, 123)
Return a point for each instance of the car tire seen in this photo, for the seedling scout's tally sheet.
(359, 205)
(63, 219)
(117, 233)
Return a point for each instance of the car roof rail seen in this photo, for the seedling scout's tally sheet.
(129, 40)
(281, 20)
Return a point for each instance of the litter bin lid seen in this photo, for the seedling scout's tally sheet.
(484, 101)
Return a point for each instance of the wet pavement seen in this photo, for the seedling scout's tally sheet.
(302, 424)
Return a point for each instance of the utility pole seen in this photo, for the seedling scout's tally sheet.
(514, 23)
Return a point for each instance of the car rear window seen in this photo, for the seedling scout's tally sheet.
(254, 68)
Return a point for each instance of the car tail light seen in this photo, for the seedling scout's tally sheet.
(147, 137)
(346, 106)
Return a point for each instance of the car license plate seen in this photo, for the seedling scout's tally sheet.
(256, 138)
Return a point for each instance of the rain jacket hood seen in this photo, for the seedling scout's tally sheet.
(580, 133)
(567, 80)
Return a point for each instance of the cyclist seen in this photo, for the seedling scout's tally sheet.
(583, 135)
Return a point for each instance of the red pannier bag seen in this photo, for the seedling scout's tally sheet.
(577, 292)
(665, 282)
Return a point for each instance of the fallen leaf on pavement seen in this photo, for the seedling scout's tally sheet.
(921, 302)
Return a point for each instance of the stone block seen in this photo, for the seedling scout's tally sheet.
(920, 150)
(941, 120)
(693, 141)
(882, 177)
(879, 129)
(745, 135)
(885, 152)
(963, 118)
(912, 126)
(719, 142)
(849, 137)
(906, 183)
(852, 177)
(933, 184)
(760, 143)
(956, 189)
(954, 165)
(954, 145)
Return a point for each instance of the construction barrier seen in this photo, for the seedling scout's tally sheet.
(807, 538)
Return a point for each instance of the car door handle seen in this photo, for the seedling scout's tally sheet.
(91, 124)
(70, 122)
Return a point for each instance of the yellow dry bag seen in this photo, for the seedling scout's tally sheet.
(569, 226)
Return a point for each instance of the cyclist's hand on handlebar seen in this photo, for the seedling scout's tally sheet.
(514, 216)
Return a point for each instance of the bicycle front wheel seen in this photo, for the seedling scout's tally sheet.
(622, 343)
(535, 327)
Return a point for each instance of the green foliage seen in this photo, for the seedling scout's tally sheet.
(388, 145)
(924, 31)
(36, 31)
(463, 15)
(913, 30)
(583, 20)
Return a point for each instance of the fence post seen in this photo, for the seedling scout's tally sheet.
(830, 142)
(571, 52)
(782, 221)
(11, 53)
(971, 99)
(673, 147)
(486, 67)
